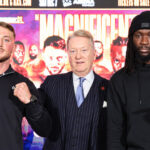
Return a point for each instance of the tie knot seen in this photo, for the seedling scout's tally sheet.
(82, 79)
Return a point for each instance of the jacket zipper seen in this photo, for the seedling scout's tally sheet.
(5, 74)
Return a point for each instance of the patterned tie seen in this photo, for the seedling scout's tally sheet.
(79, 93)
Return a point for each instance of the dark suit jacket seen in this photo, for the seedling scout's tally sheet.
(57, 88)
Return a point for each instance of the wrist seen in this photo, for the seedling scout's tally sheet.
(33, 98)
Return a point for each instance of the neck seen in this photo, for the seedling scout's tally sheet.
(82, 74)
(4, 66)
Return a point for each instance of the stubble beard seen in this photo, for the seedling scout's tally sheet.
(3, 59)
(141, 58)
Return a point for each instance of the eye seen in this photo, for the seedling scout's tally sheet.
(116, 61)
(72, 51)
(149, 34)
(84, 50)
(137, 35)
(6, 40)
(59, 58)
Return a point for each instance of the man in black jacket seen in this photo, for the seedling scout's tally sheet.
(11, 109)
(128, 94)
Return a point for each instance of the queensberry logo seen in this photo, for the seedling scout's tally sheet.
(67, 3)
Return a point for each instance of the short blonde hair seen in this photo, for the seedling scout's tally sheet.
(9, 27)
(81, 33)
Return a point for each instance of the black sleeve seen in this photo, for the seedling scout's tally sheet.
(37, 115)
(47, 90)
(116, 138)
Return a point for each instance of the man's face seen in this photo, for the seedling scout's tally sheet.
(141, 40)
(33, 51)
(54, 59)
(99, 49)
(118, 54)
(81, 55)
(6, 44)
(19, 53)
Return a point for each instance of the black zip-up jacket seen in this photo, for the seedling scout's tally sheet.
(129, 110)
(12, 111)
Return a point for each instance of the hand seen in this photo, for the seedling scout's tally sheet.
(22, 91)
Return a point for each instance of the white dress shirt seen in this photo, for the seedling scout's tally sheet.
(89, 78)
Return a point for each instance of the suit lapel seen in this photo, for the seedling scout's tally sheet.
(68, 94)
(97, 90)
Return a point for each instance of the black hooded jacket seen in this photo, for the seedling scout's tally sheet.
(12, 111)
(129, 110)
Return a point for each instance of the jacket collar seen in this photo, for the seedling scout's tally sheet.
(7, 72)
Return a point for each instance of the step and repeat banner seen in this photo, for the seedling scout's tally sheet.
(42, 28)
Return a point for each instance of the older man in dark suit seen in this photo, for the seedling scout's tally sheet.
(75, 100)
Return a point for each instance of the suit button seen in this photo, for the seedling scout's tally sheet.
(74, 141)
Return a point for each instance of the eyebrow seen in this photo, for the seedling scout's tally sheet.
(7, 36)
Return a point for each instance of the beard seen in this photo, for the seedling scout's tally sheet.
(142, 59)
(4, 59)
(16, 62)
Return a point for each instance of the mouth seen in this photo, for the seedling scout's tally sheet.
(79, 63)
(144, 49)
(144, 52)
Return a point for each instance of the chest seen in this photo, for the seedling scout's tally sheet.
(137, 92)
(9, 105)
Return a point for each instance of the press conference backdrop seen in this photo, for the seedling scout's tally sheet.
(36, 20)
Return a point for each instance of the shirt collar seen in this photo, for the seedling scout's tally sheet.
(88, 77)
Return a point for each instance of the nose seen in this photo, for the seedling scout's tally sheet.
(144, 40)
(1, 42)
(20, 54)
(78, 55)
(53, 61)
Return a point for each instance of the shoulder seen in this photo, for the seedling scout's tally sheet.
(54, 80)
(58, 77)
(102, 83)
(18, 78)
(119, 79)
(100, 79)
(119, 75)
